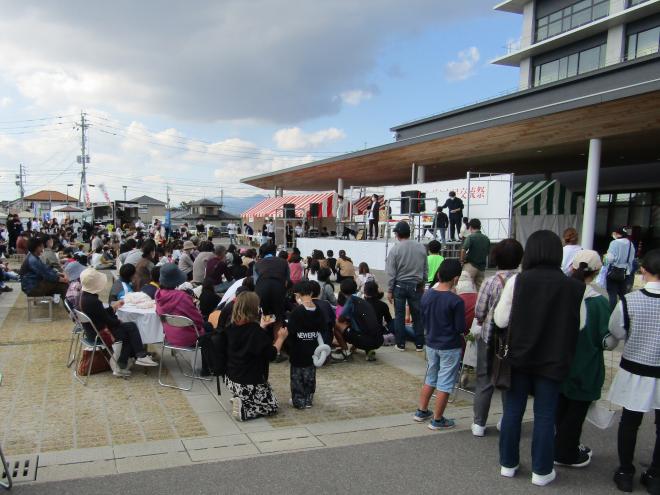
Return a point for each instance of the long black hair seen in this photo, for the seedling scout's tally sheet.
(543, 248)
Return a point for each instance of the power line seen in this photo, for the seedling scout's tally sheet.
(36, 119)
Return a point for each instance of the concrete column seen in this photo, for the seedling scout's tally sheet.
(526, 76)
(527, 36)
(421, 174)
(413, 174)
(591, 194)
(340, 186)
(616, 42)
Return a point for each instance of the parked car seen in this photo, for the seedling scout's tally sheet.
(221, 231)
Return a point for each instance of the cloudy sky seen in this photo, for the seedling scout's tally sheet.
(200, 94)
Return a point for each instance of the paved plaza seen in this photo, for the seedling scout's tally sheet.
(67, 431)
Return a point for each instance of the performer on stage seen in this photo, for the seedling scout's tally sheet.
(373, 212)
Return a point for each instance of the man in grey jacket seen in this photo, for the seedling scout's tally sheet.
(407, 269)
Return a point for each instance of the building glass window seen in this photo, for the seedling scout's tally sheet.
(644, 43)
(571, 17)
(632, 3)
(571, 65)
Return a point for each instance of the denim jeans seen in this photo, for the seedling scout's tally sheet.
(407, 292)
(546, 395)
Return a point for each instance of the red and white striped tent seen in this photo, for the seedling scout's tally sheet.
(360, 205)
(273, 207)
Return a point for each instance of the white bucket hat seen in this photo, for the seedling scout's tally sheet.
(92, 280)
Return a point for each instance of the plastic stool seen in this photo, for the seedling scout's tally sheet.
(34, 302)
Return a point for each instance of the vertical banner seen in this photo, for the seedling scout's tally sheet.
(88, 203)
(104, 190)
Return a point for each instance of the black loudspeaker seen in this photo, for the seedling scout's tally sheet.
(314, 210)
(412, 202)
(289, 210)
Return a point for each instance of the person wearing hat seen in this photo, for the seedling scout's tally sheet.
(587, 374)
(407, 268)
(93, 282)
(170, 301)
(619, 260)
(73, 271)
(186, 260)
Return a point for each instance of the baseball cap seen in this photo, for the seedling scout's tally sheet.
(591, 258)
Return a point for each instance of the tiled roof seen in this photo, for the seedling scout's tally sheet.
(49, 196)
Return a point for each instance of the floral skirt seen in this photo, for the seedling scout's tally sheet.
(257, 400)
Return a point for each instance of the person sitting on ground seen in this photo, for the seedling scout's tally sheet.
(218, 271)
(128, 248)
(313, 268)
(142, 274)
(49, 256)
(208, 299)
(328, 312)
(171, 301)
(248, 349)
(206, 253)
(126, 333)
(296, 269)
(306, 323)
(332, 261)
(358, 324)
(22, 243)
(345, 267)
(186, 262)
(327, 287)
(154, 283)
(444, 320)
(123, 285)
(364, 276)
(148, 253)
(587, 375)
(38, 279)
(97, 260)
(374, 296)
(434, 260)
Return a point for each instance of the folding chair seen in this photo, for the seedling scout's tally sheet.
(76, 331)
(179, 322)
(96, 344)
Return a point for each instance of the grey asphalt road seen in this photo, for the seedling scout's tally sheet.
(455, 463)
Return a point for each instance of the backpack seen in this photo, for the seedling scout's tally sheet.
(213, 349)
(364, 319)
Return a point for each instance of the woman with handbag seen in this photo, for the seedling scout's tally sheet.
(636, 386)
(619, 260)
(587, 375)
(544, 310)
(507, 255)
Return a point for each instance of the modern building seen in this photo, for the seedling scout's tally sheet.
(150, 208)
(586, 113)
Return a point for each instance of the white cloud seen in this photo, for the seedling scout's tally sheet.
(5, 101)
(294, 138)
(206, 63)
(464, 67)
(354, 97)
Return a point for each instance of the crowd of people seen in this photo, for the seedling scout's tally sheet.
(540, 323)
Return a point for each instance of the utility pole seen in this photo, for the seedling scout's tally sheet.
(125, 187)
(168, 212)
(83, 159)
(20, 183)
(222, 197)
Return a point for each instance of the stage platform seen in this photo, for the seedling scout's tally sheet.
(373, 253)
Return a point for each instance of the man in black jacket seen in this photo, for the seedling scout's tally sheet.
(455, 207)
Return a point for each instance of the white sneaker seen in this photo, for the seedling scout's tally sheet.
(237, 408)
(478, 431)
(543, 479)
(508, 472)
(56, 298)
(121, 373)
(145, 361)
(499, 425)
